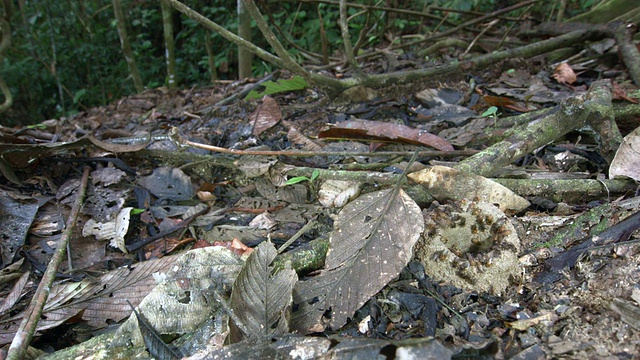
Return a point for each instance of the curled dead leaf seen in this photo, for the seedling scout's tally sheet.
(564, 74)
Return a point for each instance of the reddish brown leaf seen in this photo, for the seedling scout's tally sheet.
(381, 131)
(266, 116)
(619, 94)
(498, 100)
(298, 138)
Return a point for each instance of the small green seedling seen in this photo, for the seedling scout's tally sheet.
(492, 112)
(299, 179)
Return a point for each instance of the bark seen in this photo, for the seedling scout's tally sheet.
(592, 110)
(574, 191)
(126, 46)
(170, 51)
(245, 57)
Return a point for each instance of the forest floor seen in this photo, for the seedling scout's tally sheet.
(586, 310)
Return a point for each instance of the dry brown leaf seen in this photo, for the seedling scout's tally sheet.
(266, 116)
(564, 74)
(371, 243)
(383, 131)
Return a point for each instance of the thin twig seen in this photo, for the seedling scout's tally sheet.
(300, 153)
(23, 336)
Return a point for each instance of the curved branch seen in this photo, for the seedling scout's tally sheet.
(258, 51)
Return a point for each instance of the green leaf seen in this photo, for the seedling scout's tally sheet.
(314, 175)
(273, 87)
(297, 179)
(78, 95)
(490, 112)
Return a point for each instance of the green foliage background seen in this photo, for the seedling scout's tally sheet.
(65, 55)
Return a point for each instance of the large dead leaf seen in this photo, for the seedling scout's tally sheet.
(262, 300)
(627, 159)
(179, 304)
(371, 243)
(446, 184)
(266, 116)
(168, 183)
(98, 302)
(384, 131)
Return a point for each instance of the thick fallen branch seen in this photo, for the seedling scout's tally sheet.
(592, 110)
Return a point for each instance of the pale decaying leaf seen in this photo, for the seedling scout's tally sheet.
(471, 245)
(371, 243)
(178, 304)
(260, 299)
(254, 166)
(337, 193)
(113, 230)
(627, 159)
(447, 184)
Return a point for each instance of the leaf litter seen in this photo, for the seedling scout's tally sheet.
(371, 243)
(560, 318)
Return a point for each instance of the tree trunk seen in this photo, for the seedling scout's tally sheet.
(245, 57)
(170, 53)
(5, 42)
(126, 47)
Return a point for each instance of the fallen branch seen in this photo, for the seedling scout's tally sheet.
(628, 50)
(22, 339)
(592, 110)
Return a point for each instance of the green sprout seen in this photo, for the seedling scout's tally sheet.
(492, 112)
(299, 179)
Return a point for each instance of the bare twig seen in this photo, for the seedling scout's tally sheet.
(23, 336)
(346, 39)
(299, 153)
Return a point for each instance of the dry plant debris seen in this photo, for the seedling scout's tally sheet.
(505, 239)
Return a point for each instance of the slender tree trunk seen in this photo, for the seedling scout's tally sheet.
(170, 53)
(211, 57)
(54, 58)
(5, 42)
(245, 58)
(126, 47)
